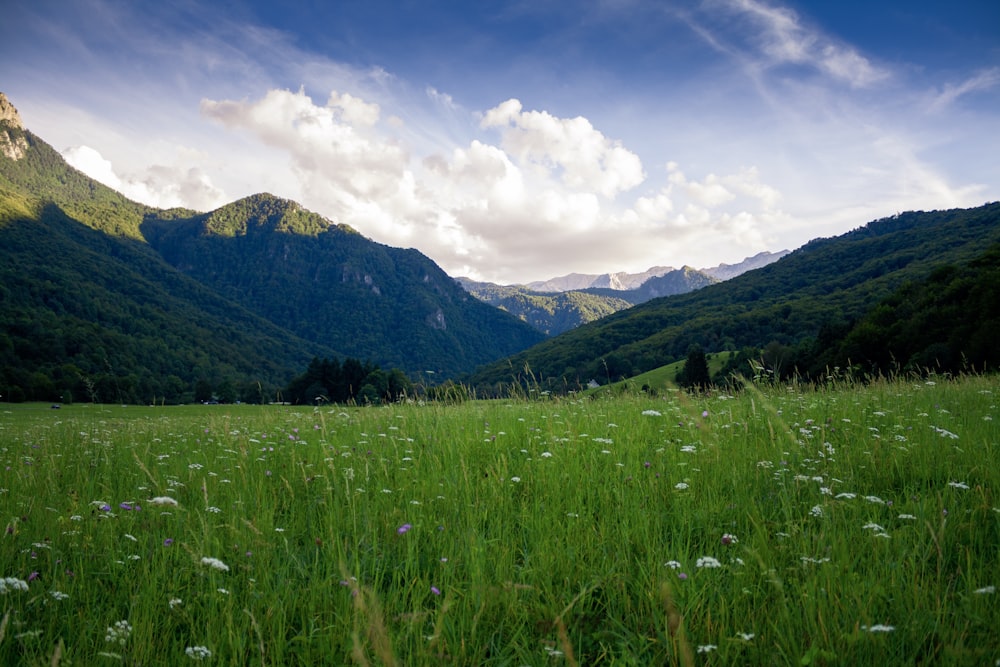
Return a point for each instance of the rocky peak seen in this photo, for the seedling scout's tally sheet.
(9, 113)
(13, 143)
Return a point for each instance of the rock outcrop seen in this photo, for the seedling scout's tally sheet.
(13, 143)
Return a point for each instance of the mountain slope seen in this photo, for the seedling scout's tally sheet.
(85, 313)
(328, 284)
(260, 288)
(825, 282)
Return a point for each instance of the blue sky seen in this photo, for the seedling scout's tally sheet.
(517, 141)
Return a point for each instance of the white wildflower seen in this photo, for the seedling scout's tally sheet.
(652, 413)
(12, 584)
(163, 500)
(707, 561)
(878, 628)
(215, 564)
(985, 590)
(118, 633)
(197, 652)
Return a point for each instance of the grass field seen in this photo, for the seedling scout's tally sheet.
(853, 525)
(662, 378)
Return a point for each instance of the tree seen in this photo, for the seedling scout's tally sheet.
(694, 373)
(203, 391)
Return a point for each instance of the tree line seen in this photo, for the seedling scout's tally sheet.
(351, 381)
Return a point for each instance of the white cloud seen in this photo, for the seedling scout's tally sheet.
(345, 167)
(158, 185)
(93, 164)
(587, 159)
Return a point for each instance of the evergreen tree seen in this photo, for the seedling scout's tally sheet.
(694, 373)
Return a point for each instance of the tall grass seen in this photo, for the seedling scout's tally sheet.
(852, 525)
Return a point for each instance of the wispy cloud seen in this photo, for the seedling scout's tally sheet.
(981, 81)
(780, 37)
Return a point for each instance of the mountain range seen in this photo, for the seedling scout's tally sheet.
(623, 281)
(105, 299)
(559, 304)
(820, 308)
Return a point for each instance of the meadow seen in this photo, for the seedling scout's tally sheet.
(784, 525)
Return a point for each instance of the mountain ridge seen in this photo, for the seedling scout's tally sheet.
(625, 281)
(798, 302)
(254, 282)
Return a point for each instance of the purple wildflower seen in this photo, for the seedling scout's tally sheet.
(405, 528)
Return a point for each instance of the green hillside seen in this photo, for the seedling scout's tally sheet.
(329, 284)
(821, 288)
(103, 297)
(87, 315)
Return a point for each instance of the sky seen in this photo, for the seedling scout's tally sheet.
(523, 140)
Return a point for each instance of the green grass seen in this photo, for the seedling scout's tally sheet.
(510, 532)
(662, 378)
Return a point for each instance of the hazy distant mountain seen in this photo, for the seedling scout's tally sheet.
(761, 259)
(555, 312)
(623, 281)
(675, 281)
(550, 312)
(579, 281)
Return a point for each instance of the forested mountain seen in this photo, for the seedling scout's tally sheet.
(809, 298)
(947, 322)
(241, 297)
(85, 315)
(328, 284)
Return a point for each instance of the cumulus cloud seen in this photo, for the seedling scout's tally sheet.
(162, 186)
(587, 159)
(548, 197)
